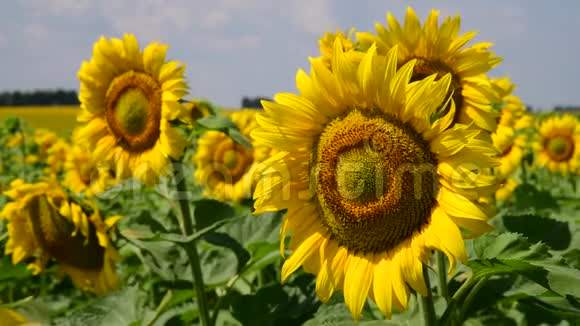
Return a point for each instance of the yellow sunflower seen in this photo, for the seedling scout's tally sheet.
(526, 121)
(83, 174)
(557, 144)
(11, 317)
(44, 224)
(226, 169)
(440, 50)
(506, 189)
(56, 156)
(326, 44)
(44, 139)
(128, 99)
(513, 109)
(511, 150)
(371, 181)
(15, 140)
(196, 110)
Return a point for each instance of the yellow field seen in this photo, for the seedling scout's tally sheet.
(60, 119)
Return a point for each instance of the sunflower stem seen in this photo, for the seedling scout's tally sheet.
(449, 313)
(190, 247)
(470, 297)
(23, 151)
(524, 171)
(427, 307)
(442, 274)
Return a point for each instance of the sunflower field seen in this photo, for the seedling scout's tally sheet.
(401, 185)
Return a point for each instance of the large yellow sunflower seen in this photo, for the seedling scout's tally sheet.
(438, 49)
(128, 99)
(557, 144)
(226, 169)
(44, 224)
(511, 148)
(371, 181)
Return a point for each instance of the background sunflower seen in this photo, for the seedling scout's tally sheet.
(228, 170)
(45, 224)
(128, 98)
(439, 49)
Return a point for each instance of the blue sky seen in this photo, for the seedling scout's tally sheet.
(234, 48)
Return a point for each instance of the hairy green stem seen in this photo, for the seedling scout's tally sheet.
(470, 297)
(427, 307)
(448, 315)
(23, 151)
(190, 247)
(442, 274)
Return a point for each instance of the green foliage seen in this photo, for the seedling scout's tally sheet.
(526, 272)
(224, 124)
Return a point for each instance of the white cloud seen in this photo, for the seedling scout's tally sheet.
(228, 44)
(57, 7)
(215, 19)
(313, 16)
(149, 19)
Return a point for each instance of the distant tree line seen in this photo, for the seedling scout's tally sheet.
(567, 108)
(39, 97)
(253, 102)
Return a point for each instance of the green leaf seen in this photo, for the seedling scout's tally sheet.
(511, 253)
(572, 258)
(508, 245)
(237, 136)
(528, 197)
(117, 309)
(335, 312)
(218, 265)
(272, 305)
(12, 272)
(224, 240)
(555, 234)
(216, 122)
(140, 226)
(256, 228)
(209, 211)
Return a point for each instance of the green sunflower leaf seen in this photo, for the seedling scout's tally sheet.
(511, 253)
(216, 122)
(239, 138)
(208, 212)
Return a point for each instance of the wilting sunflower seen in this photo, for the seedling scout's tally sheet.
(226, 169)
(372, 175)
(440, 50)
(83, 174)
(558, 144)
(45, 224)
(128, 99)
(511, 147)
